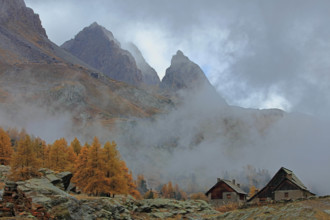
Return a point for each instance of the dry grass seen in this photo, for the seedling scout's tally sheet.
(227, 208)
(85, 196)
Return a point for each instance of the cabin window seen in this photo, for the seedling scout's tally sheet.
(286, 195)
(241, 197)
(228, 196)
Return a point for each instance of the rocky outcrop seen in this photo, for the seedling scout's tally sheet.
(183, 73)
(46, 198)
(149, 75)
(97, 47)
(15, 11)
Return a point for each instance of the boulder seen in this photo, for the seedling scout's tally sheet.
(53, 179)
(65, 178)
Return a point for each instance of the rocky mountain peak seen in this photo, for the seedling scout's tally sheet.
(179, 57)
(183, 73)
(149, 75)
(7, 5)
(97, 47)
(16, 16)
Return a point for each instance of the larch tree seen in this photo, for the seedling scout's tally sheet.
(75, 144)
(24, 164)
(131, 186)
(6, 149)
(13, 133)
(58, 155)
(97, 183)
(113, 169)
(253, 190)
(40, 149)
(164, 191)
(81, 173)
(71, 159)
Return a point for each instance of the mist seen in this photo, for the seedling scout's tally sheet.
(203, 139)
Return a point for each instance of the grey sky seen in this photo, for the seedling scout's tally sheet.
(257, 53)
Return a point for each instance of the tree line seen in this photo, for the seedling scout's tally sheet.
(96, 170)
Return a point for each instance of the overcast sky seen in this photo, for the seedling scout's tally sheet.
(257, 53)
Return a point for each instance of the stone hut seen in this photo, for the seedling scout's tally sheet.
(226, 192)
(285, 185)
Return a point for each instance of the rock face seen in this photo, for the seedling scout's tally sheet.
(15, 11)
(97, 47)
(149, 75)
(183, 73)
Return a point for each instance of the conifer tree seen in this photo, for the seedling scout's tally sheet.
(170, 190)
(71, 159)
(75, 144)
(164, 191)
(80, 169)
(96, 180)
(114, 170)
(14, 135)
(5, 148)
(39, 147)
(24, 164)
(141, 184)
(58, 155)
(131, 186)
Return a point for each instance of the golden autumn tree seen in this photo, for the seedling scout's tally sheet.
(97, 183)
(13, 133)
(164, 191)
(170, 190)
(5, 148)
(41, 151)
(58, 155)
(24, 164)
(76, 146)
(131, 186)
(81, 174)
(71, 159)
(253, 190)
(114, 170)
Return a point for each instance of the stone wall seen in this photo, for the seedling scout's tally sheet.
(234, 198)
(291, 194)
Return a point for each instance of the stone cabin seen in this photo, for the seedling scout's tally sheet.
(225, 192)
(285, 185)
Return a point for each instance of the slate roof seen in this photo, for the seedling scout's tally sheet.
(234, 187)
(294, 179)
(231, 185)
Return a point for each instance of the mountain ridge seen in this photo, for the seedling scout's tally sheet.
(98, 48)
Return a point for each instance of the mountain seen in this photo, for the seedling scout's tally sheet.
(149, 75)
(183, 73)
(38, 80)
(97, 47)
